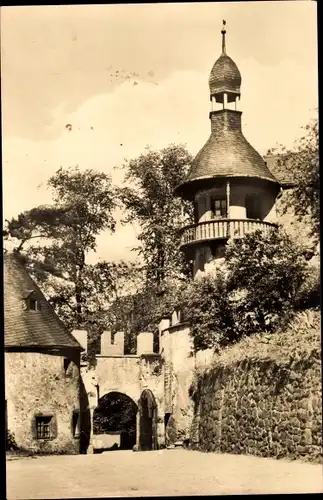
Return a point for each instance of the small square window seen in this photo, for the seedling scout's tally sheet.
(44, 427)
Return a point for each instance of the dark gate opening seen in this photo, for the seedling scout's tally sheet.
(148, 421)
(116, 415)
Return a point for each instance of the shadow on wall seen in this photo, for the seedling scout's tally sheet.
(170, 430)
(85, 417)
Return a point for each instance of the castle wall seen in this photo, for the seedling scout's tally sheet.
(266, 404)
(37, 384)
(179, 369)
(126, 374)
(119, 374)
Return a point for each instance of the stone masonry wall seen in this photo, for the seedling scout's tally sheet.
(152, 378)
(260, 408)
(129, 375)
(37, 384)
(179, 365)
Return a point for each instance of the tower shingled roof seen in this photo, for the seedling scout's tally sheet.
(25, 328)
(227, 153)
(224, 76)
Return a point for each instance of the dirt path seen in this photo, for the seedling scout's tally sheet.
(166, 472)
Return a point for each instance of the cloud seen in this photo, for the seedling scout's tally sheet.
(107, 128)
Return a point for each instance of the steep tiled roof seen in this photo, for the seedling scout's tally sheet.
(277, 168)
(28, 328)
(225, 76)
(227, 153)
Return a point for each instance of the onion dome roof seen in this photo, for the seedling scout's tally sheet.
(225, 76)
(227, 153)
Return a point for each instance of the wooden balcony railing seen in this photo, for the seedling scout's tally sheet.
(222, 229)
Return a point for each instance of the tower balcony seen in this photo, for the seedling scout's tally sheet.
(221, 229)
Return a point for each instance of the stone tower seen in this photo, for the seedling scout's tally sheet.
(229, 183)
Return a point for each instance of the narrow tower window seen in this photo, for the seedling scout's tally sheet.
(219, 207)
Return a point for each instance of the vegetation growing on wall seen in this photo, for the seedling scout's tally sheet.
(264, 394)
(265, 279)
(54, 242)
(266, 276)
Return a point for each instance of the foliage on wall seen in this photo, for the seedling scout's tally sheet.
(264, 394)
(264, 280)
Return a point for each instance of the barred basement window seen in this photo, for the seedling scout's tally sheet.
(44, 428)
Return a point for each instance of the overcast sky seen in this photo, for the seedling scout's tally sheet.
(125, 76)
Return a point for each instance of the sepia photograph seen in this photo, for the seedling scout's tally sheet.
(161, 249)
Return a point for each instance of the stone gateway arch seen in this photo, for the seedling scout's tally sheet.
(130, 396)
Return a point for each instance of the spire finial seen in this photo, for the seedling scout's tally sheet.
(223, 31)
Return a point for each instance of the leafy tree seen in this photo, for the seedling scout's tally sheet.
(54, 241)
(205, 304)
(149, 201)
(257, 290)
(265, 272)
(142, 311)
(302, 164)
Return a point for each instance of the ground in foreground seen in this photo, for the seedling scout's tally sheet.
(164, 472)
